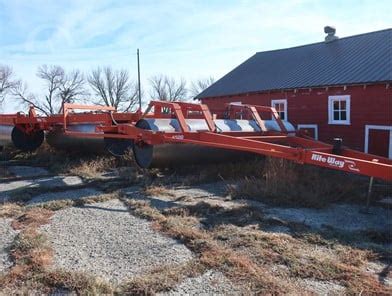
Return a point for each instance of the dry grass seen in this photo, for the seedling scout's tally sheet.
(212, 255)
(93, 168)
(31, 273)
(97, 198)
(143, 210)
(229, 240)
(286, 183)
(211, 215)
(277, 181)
(30, 252)
(262, 262)
(7, 153)
(66, 203)
(43, 156)
(77, 163)
(76, 282)
(334, 262)
(10, 210)
(197, 174)
(32, 218)
(31, 249)
(157, 190)
(162, 278)
(33, 256)
(376, 242)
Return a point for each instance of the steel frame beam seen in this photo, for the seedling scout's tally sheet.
(281, 144)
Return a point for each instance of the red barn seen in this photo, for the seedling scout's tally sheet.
(337, 88)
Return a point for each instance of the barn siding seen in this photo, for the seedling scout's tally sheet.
(369, 105)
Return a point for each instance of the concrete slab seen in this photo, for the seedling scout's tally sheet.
(27, 171)
(8, 188)
(182, 195)
(216, 189)
(386, 201)
(340, 216)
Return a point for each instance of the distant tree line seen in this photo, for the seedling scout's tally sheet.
(102, 86)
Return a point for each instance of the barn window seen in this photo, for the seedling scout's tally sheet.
(339, 109)
(281, 108)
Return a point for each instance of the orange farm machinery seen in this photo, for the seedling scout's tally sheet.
(176, 132)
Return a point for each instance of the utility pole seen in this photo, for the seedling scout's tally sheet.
(138, 81)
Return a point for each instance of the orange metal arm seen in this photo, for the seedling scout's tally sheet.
(276, 144)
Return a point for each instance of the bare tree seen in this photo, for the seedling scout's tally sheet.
(60, 86)
(53, 77)
(7, 83)
(158, 88)
(20, 92)
(114, 88)
(72, 87)
(166, 88)
(200, 85)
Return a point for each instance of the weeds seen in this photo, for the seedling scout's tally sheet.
(56, 205)
(30, 252)
(32, 218)
(261, 261)
(30, 249)
(158, 190)
(10, 210)
(197, 174)
(33, 255)
(255, 259)
(93, 168)
(43, 156)
(211, 254)
(61, 162)
(335, 263)
(272, 180)
(143, 210)
(77, 282)
(286, 183)
(162, 278)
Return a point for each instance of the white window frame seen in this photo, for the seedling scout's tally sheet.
(314, 126)
(331, 100)
(368, 127)
(280, 101)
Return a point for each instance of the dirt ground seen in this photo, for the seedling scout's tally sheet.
(107, 232)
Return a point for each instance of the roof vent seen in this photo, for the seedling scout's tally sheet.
(330, 31)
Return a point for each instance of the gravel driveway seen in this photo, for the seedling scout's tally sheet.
(209, 283)
(7, 235)
(104, 239)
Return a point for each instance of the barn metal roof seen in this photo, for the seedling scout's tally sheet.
(364, 58)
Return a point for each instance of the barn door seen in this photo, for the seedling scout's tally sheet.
(378, 140)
